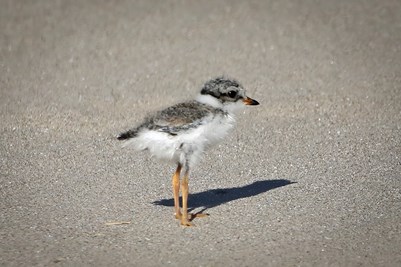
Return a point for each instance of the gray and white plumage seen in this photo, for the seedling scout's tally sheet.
(182, 132)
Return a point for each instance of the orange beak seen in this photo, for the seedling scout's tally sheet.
(250, 101)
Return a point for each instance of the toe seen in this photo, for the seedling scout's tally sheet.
(186, 223)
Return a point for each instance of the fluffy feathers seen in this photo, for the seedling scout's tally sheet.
(182, 132)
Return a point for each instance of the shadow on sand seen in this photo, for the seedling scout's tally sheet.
(215, 197)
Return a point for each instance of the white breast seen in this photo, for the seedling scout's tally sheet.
(186, 147)
(194, 142)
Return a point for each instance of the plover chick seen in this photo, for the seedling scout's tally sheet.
(181, 133)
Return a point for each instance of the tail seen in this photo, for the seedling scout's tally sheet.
(128, 134)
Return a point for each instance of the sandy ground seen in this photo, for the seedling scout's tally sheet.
(311, 177)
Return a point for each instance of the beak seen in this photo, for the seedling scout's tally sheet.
(250, 101)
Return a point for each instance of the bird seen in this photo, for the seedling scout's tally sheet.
(181, 133)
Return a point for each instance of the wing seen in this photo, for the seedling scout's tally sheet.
(180, 117)
(175, 119)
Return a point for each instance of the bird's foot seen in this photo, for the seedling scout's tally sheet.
(191, 216)
(178, 215)
(186, 223)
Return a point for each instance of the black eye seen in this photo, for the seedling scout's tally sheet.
(232, 94)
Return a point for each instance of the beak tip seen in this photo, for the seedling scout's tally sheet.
(251, 102)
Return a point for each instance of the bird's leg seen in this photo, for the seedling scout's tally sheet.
(187, 217)
(176, 192)
(184, 186)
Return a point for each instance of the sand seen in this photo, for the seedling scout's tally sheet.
(311, 177)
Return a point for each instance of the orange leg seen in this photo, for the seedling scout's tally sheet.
(176, 192)
(187, 217)
(184, 185)
(184, 217)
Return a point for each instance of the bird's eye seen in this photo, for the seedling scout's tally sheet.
(232, 94)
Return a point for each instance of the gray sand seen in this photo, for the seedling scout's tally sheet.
(312, 176)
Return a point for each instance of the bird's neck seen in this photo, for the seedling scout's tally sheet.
(232, 108)
(209, 100)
